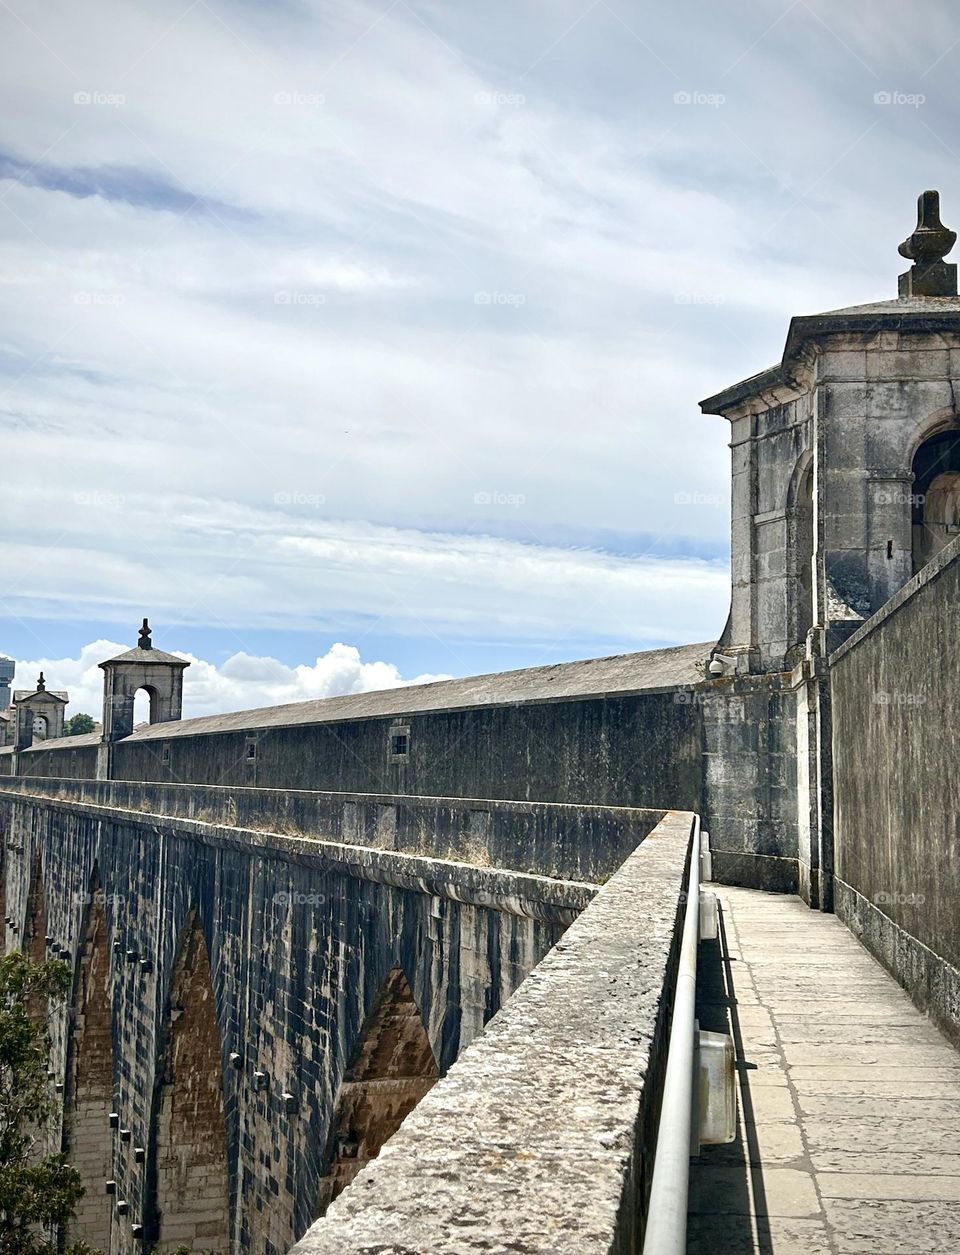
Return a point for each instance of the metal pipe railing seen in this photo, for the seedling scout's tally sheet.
(666, 1232)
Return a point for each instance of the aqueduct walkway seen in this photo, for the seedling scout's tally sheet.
(849, 1099)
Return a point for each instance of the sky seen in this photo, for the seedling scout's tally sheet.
(361, 343)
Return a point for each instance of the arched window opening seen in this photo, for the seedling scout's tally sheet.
(39, 727)
(392, 1067)
(143, 708)
(805, 555)
(87, 1137)
(935, 502)
(190, 1152)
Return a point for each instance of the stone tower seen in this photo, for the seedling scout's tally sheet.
(845, 482)
(39, 715)
(159, 674)
(846, 461)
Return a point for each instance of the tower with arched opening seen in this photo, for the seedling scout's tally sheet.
(39, 714)
(846, 461)
(142, 668)
(845, 483)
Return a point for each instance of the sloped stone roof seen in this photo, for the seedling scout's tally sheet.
(59, 742)
(147, 657)
(621, 674)
(913, 313)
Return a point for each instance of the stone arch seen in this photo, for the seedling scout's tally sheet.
(390, 1070)
(148, 715)
(87, 1137)
(934, 424)
(35, 935)
(935, 492)
(190, 1179)
(802, 541)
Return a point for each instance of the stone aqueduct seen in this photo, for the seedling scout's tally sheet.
(288, 925)
(253, 1013)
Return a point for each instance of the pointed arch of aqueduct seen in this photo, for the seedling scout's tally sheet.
(189, 1175)
(89, 1089)
(391, 1068)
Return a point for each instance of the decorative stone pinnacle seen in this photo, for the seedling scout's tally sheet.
(931, 240)
(41, 684)
(145, 642)
(926, 248)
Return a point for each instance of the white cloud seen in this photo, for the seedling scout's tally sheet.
(289, 569)
(242, 682)
(507, 262)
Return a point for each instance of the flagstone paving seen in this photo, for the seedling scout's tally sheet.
(848, 1137)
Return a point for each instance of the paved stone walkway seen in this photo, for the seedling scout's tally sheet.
(849, 1102)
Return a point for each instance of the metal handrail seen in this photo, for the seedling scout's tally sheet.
(666, 1232)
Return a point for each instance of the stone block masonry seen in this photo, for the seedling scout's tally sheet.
(240, 967)
(897, 788)
(571, 842)
(537, 1140)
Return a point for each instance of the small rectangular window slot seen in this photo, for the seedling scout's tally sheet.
(398, 743)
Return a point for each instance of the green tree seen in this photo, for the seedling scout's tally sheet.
(79, 724)
(38, 1193)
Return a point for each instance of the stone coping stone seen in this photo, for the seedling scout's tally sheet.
(533, 1140)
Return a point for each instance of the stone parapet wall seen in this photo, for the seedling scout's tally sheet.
(637, 750)
(78, 761)
(933, 983)
(897, 788)
(749, 800)
(540, 1137)
(550, 839)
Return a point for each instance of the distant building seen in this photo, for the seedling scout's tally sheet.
(7, 668)
(39, 713)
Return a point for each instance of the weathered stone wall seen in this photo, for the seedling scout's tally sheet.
(897, 787)
(301, 935)
(749, 801)
(539, 1138)
(78, 762)
(822, 469)
(618, 751)
(768, 444)
(543, 838)
(879, 393)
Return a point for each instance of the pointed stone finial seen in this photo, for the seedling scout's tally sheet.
(930, 242)
(145, 642)
(41, 684)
